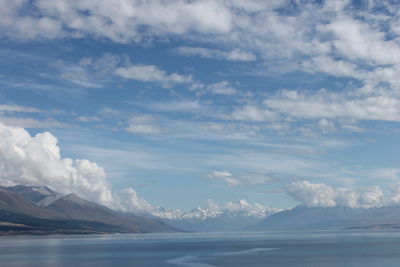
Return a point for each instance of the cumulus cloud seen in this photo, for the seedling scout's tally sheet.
(232, 55)
(247, 179)
(37, 160)
(322, 195)
(151, 73)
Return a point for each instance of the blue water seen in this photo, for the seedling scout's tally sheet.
(345, 248)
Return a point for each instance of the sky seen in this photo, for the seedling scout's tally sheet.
(140, 104)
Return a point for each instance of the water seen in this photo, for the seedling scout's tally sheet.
(345, 248)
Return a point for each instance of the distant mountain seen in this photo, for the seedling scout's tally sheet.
(12, 202)
(324, 218)
(209, 220)
(20, 213)
(74, 207)
(40, 195)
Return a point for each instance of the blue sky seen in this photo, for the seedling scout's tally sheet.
(186, 101)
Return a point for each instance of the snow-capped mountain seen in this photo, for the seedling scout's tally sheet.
(231, 216)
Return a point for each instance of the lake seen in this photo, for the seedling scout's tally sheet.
(335, 248)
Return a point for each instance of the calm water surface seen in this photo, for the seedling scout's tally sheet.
(345, 248)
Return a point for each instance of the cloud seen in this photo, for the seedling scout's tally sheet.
(151, 73)
(252, 113)
(395, 197)
(221, 88)
(247, 179)
(232, 55)
(88, 119)
(325, 107)
(357, 40)
(143, 124)
(37, 160)
(238, 206)
(218, 88)
(322, 195)
(122, 21)
(345, 39)
(386, 173)
(174, 106)
(32, 122)
(335, 105)
(17, 108)
(11, 115)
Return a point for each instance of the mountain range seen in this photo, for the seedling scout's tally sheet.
(217, 220)
(40, 210)
(334, 218)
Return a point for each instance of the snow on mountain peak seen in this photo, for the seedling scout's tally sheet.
(213, 210)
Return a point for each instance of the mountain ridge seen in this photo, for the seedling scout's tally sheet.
(66, 214)
(335, 218)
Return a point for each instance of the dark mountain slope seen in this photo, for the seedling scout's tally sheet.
(40, 195)
(311, 218)
(12, 202)
(69, 214)
(74, 207)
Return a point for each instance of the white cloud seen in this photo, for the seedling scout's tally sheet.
(339, 39)
(386, 173)
(343, 108)
(357, 40)
(143, 124)
(221, 88)
(252, 113)
(32, 122)
(88, 119)
(17, 108)
(395, 197)
(240, 205)
(322, 195)
(247, 179)
(174, 106)
(120, 21)
(37, 160)
(128, 200)
(151, 73)
(330, 105)
(232, 55)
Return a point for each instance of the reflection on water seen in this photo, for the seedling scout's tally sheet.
(344, 248)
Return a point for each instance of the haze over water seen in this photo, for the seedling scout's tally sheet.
(344, 248)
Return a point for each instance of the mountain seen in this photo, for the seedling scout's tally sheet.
(324, 218)
(40, 195)
(12, 202)
(74, 207)
(235, 218)
(20, 213)
(307, 218)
